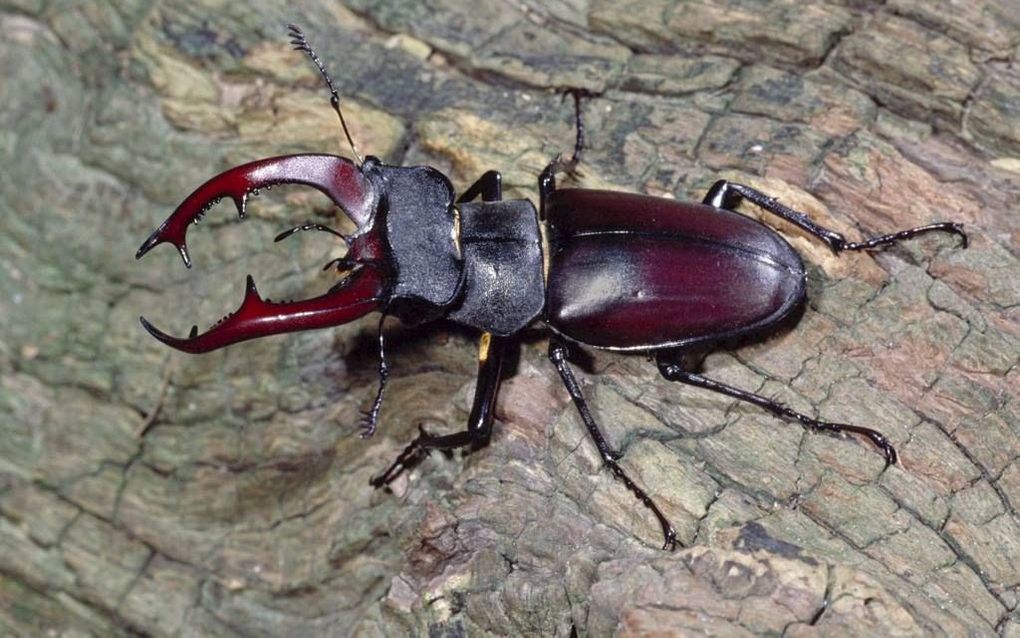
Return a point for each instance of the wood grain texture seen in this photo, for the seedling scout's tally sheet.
(148, 492)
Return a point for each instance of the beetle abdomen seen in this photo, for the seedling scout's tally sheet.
(629, 272)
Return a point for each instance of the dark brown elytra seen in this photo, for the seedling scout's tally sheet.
(618, 272)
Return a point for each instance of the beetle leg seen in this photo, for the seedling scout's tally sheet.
(370, 418)
(489, 186)
(558, 356)
(727, 195)
(491, 354)
(547, 178)
(672, 370)
(341, 264)
(547, 185)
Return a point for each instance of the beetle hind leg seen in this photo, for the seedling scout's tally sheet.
(671, 367)
(558, 356)
(728, 195)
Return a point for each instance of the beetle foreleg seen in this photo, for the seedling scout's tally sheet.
(491, 353)
(674, 371)
(370, 417)
(558, 356)
(727, 195)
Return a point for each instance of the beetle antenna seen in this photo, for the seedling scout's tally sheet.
(300, 42)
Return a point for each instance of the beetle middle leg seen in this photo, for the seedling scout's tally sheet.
(558, 356)
(547, 178)
(491, 354)
(489, 187)
(727, 195)
(671, 366)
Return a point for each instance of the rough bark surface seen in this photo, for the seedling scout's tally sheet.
(148, 492)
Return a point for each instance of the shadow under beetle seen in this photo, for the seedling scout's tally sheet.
(611, 270)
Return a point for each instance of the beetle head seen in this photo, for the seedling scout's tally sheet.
(404, 255)
(365, 287)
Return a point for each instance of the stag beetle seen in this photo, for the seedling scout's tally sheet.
(609, 270)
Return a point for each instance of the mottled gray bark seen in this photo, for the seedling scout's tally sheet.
(144, 491)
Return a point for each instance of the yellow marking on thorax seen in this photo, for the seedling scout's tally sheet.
(456, 231)
(544, 235)
(484, 342)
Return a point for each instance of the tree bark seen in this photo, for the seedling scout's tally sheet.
(149, 492)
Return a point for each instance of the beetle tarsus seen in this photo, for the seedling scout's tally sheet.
(671, 370)
(370, 417)
(727, 195)
(341, 264)
(420, 447)
(411, 455)
(892, 238)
